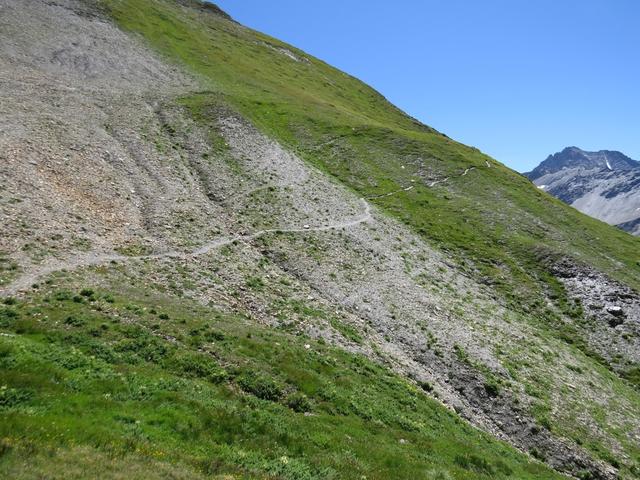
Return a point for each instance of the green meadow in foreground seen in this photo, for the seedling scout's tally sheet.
(129, 385)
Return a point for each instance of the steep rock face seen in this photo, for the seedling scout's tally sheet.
(574, 157)
(604, 184)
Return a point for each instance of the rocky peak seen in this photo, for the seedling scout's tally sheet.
(574, 157)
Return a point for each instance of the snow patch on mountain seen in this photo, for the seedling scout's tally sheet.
(604, 184)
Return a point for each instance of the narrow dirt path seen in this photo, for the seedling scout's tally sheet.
(406, 189)
(436, 182)
(207, 247)
(38, 272)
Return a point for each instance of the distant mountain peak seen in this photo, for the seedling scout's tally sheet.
(604, 184)
(574, 157)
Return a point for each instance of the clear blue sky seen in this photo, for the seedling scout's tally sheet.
(518, 79)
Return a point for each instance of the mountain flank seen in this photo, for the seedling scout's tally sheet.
(223, 258)
(604, 184)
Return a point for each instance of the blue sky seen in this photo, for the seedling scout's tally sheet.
(518, 79)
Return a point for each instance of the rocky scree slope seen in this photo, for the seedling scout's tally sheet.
(175, 191)
(604, 184)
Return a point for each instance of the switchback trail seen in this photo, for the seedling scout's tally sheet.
(406, 189)
(38, 272)
(432, 184)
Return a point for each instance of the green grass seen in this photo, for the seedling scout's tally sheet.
(128, 381)
(97, 378)
(499, 226)
(8, 269)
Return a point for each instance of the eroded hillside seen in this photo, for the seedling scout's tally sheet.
(221, 256)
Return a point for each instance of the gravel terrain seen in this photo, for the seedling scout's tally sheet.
(101, 166)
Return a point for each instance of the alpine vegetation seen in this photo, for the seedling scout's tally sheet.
(223, 258)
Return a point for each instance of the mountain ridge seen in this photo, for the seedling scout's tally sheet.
(574, 157)
(225, 258)
(603, 184)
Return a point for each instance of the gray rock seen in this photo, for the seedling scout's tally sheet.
(604, 184)
(616, 311)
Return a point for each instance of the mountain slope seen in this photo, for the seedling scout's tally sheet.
(604, 184)
(266, 270)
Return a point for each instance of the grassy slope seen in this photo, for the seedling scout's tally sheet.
(501, 228)
(156, 406)
(163, 388)
(493, 218)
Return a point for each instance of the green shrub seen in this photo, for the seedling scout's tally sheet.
(426, 386)
(212, 335)
(347, 331)
(633, 376)
(6, 349)
(260, 386)
(27, 326)
(586, 475)
(438, 475)
(63, 295)
(10, 397)
(503, 468)
(461, 353)
(255, 283)
(148, 348)
(299, 402)
(535, 453)
(8, 316)
(474, 463)
(492, 388)
(199, 365)
(545, 422)
(5, 447)
(74, 321)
